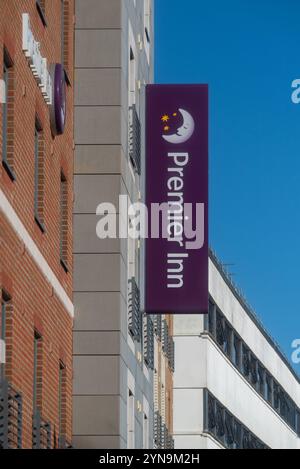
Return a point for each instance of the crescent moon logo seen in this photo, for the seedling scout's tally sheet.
(183, 133)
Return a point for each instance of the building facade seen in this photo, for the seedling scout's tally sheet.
(233, 388)
(121, 358)
(36, 197)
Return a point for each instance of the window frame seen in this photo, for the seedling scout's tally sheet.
(38, 131)
(41, 8)
(63, 215)
(37, 341)
(7, 66)
(268, 388)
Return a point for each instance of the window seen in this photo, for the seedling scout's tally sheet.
(6, 334)
(145, 432)
(62, 399)
(65, 19)
(3, 318)
(39, 177)
(261, 380)
(236, 353)
(225, 428)
(41, 7)
(211, 319)
(269, 389)
(37, 371)
(228, 340)
(132, 78)
(8, 116)
(147, 26)
(246, 361)
(220, 330)
(252, 369)
(130, 421)
(64, 222)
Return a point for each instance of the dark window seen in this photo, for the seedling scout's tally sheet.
(5, 332)
(220, 330)
(225, 428)
(236, 354)
(8, 116)
(276, 396)
(261, 380)
(211, 319)
(65, 19)
(62, 400)
(41, 7)
(228, 340)
(246, 361)
(269, 389)
(253, 370)
(229, 430)
(64, 221)
(211, 414)
(237, 435)
(39, 176)
(220, 421)
(298, 423)
(37, 371)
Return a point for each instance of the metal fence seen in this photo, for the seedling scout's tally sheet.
(135, 139)
(41, 432)
(10, 417)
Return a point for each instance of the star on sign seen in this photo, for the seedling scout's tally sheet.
(165, 118)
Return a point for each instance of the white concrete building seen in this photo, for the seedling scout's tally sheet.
(233, 387)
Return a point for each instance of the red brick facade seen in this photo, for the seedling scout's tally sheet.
(34, 306)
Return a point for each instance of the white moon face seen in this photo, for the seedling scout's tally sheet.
(184, 132)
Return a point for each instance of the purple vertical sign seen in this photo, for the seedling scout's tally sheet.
(176, 269)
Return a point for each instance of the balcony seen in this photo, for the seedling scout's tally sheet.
(162, 437)
(171, 354)
(158, 326)
(135, 139)
(41, 432)
(148, 342)
(134, 313)
(158, 430)
(10, 417)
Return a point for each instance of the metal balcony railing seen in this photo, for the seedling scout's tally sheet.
(170, 442)
(162, 437)
(134, 313)
(171, 354)
(41, 432)
(135, 139)
(158, 430)
(10, 417)
(165, 337)
(149, 342)
(158, 326)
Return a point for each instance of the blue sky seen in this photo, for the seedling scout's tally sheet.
(248, 53)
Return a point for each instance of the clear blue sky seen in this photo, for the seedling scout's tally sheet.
(248, 52)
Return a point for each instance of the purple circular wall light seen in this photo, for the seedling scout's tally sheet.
(59, 101)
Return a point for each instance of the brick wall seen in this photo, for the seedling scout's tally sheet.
(29, 103)
(34, 305)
